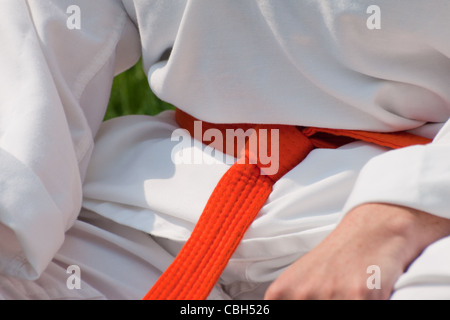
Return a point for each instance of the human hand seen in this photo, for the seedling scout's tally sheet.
(386, 236)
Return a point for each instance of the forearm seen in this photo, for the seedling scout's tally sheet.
(416, 229)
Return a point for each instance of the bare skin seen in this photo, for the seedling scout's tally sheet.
(388, 236)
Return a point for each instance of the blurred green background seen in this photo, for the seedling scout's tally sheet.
(131, 94)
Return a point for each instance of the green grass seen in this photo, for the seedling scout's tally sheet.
(131, 94)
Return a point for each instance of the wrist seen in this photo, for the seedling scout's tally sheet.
(405, 231)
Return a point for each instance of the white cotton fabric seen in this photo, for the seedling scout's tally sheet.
(54, 87)
(309, 63)
(156, 195)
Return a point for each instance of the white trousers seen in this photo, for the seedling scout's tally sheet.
(112, 261)
(117, 262)
(140, 206)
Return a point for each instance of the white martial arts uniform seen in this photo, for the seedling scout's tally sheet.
(311, 63)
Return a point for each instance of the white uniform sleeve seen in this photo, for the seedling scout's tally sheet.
(57, 62)
(417, 177)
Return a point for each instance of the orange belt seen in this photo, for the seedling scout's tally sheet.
(239, 196)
